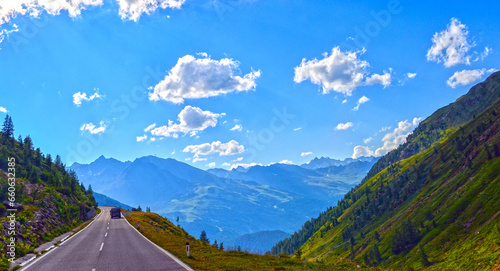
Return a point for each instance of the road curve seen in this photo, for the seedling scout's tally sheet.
(106, 244)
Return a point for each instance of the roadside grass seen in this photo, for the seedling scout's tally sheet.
(205, 257)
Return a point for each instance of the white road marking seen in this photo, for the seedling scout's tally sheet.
(47, 253)
(106, 235)
(101, 247)
(108, 228)
(93, 269)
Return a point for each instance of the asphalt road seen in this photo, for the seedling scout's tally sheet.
(106, 244)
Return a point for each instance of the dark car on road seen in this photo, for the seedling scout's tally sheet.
(115, 212)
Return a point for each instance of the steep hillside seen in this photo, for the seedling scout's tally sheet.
(464, 109)
(437, 209)
(49, 199)
(428, 132)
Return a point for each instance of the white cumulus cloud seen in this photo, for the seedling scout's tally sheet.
(382, 79)
(223, 149)
(3, 109)
(192, 120)
(211, 165)
(465, 77)
(360, 151)
(343, 126)
(390, 141)
(451, 46)
(341, 72)
(79, 97)
(194, 78)
(93, 129)
(361, 101)
(306, 153)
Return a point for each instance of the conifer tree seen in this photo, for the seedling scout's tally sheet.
(8, 127)
(204, 238)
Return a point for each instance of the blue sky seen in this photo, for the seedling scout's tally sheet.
(220, 83)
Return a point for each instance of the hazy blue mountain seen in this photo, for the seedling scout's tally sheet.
(326, 162)
(259, 242)
(103, 200)
(226, 204)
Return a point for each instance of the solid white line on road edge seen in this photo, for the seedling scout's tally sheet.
(179, 261)
(29, 260)
(101, 246)
(47, 253)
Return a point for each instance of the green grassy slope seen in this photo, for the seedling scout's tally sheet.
(464, 109)
(52, 200)
(432, 129)
(449, 193)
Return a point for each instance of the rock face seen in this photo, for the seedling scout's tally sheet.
(91, 213)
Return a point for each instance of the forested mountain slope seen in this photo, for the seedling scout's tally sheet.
(437, 209)
(49, 199)
(428, 132)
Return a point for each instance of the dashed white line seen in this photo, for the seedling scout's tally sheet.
(108, 228)
(106, 235)
(101, 247)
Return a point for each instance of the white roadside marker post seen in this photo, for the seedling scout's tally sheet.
(187, 249)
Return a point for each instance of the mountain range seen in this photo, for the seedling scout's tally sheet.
(225, 203)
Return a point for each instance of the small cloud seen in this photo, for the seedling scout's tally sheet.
(226, 164)
(237, 127)
(344, 126)
(411, 75)
(3, 109)
(385, 128)
(172, 153)
(451, 46)
(152, 139)
(141, 138)
(361, 101)
(381, 79)
(79, 97)
(197, 159)
(239, 159)
(285, 162)
(192, 120)
(344, 101)
(297, 129)
(223, 149)
(211, 165)
(150, 127)
(233, 166)
(367, 140)
(360, 151)
(306, 153)
(465, 77)
(93, 129)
